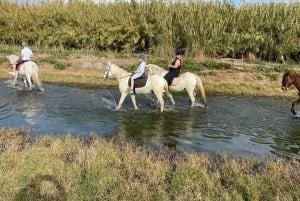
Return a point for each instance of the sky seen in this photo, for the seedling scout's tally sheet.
(239, 2)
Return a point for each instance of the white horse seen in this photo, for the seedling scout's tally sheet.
(154, 83)
(28, 70)
(188, 81)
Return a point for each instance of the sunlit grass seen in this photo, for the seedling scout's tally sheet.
(67, 168)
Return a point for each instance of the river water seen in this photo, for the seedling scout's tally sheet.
(255, 127)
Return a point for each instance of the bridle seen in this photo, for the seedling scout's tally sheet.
(285, 84)
(107, 71)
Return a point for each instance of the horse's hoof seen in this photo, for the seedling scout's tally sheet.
(296, 115)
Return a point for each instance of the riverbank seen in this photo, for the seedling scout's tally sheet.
(68, 168)
(227, 77)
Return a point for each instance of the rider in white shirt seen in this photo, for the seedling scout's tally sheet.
(138, 72)
(26, 55)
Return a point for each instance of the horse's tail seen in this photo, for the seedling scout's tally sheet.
(201, 90)
(35, 76)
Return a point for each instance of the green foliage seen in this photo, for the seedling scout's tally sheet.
(216, 28)
(131, 68)
(57, 65)
(273, 71)
(3, 59)
(6, 50)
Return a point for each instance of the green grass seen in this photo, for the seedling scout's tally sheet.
(56, 64)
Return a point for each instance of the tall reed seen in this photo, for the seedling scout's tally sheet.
(216, 28)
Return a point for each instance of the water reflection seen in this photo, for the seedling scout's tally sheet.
(288, 142)
(29, 104)
(171, 129)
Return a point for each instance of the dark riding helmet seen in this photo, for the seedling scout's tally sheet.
(180, 52)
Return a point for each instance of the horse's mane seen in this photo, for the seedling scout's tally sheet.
(291, 74)
(155, 66)
(118, 68)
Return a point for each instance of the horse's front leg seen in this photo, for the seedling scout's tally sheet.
(293, 106)
(122, 98)
(15, 79)
(132, 96)
(160, 99)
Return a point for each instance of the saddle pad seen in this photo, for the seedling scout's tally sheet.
(18, 67)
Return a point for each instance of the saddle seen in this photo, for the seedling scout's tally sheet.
(19, 65)
(139, 82)
(175, 81)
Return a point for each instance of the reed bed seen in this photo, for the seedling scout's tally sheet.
(204, 28)
(68, 168)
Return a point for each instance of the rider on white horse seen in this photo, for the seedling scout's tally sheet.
(174, 68)
(26, 55)
(139, 72)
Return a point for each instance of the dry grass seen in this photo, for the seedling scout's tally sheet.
(86, 71)
(70, 168)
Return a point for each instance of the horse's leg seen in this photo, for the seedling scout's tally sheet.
(192, 96)
(132, 96)
(28, 78)
(15, 79)
(168, 93)
(293, 106)
(122, 98)
(25, 82)
(159, 97)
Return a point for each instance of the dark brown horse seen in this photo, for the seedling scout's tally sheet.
(288, 80)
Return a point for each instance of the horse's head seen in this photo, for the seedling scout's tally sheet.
(287, 81)
(12, 59)
(107, 70)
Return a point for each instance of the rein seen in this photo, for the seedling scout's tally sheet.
(125, 76)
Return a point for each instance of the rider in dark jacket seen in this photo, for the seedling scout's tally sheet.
(174, 67)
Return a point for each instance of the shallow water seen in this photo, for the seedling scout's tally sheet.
(236, 126)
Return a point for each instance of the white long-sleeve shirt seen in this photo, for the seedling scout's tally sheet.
(140, 70)
(26, 54)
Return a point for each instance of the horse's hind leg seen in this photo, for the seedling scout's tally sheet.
(25, 82)
(160, 99)
(28, 78)
(192, 97)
